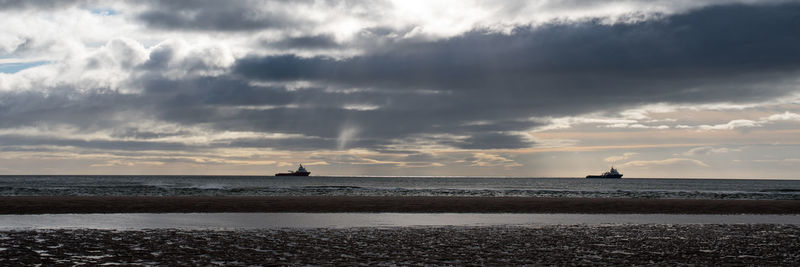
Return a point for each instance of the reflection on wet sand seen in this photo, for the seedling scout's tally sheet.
(739, 244)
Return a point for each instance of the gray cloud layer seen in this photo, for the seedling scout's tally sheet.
(213, 15)
(729, 53)
(471, 91)
(714, 48)
(36, 4)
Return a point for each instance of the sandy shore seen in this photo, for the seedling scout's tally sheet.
(739, 245)
(135, 204)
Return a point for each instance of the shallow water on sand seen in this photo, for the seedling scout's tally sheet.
(192, 221)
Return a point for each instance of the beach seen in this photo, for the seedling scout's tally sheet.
(396, 230)
(182, 204)
(747, 244)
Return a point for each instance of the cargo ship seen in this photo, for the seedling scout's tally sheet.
(612, 174)
(300, 172)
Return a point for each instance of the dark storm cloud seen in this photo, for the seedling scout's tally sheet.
(713, 54)
(90, 111)
(726, 53)
(305, 42)
(38, 4)
(217, 102)
(489, 83)
(225, 103)
(222, 91)
(212, 15)
(135, 133)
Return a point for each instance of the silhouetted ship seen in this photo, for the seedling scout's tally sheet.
(612, 174)
(300, 172)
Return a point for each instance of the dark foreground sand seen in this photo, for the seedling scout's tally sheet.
(102, 204)
(552, 245)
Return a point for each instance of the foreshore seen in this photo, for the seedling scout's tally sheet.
(415, 204)
(613, 245)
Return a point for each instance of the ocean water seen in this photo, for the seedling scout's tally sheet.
(395, 186)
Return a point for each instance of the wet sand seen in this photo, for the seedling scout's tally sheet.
(771, 245)
(181, 204)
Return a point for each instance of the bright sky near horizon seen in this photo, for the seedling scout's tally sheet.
(462, 88)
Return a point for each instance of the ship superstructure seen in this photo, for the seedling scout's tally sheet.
(300, 172)
(613, 174)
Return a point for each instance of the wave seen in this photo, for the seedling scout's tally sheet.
(334, 187)
(781, 190)
(207, 187)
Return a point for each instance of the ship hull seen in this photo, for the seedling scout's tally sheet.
(294, 174)
(604, 176)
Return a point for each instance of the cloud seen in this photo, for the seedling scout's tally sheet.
(211, 15)
(558, 69)
(176, 59)
(488, 160)
(734, 124)
(493, 141)
(787, 160)
(408, 86)
(121, 52)
(744, 123)
(133, 145)
(622, 157)
(786, 116)
(115, 163)
(320, 41)
(416, 19)
(37, 4)
(664, 162)
(637, 126)
(705, 150)
(574, 68)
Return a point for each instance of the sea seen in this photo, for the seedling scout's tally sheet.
(103, 185)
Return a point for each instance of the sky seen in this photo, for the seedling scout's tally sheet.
(679, 88)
